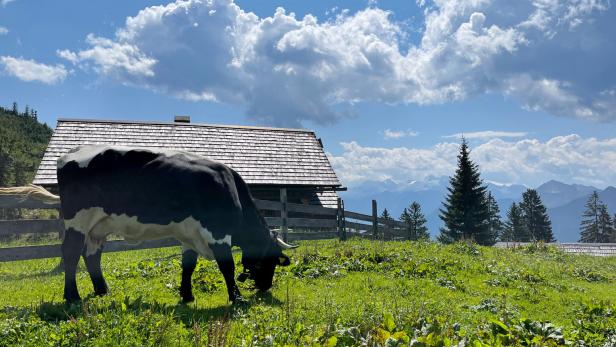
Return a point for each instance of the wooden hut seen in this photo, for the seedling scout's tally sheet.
(277, 163)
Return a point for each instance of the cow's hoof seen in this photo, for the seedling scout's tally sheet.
(188, 299)
(239, 301)
(101, 292)
(72, 300)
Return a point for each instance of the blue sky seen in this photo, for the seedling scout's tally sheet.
(387, 85)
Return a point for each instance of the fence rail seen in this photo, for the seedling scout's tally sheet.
(319, 223)
(596, 249)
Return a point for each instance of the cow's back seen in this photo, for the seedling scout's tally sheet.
(155, 186)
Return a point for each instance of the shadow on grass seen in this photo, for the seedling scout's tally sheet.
(188, 314)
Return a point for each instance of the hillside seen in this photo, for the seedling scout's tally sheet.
(353, 293)
(22, 143)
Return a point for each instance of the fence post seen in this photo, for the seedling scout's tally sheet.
(375, 222)
(341, 223)
(344, 233)
(283, 213)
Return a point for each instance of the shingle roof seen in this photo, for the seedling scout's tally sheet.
(261, 155)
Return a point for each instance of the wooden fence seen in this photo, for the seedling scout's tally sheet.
(320, 223)
(596, 249)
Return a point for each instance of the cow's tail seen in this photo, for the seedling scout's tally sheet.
(31, 192)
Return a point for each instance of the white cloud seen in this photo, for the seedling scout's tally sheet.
(3, 31)
(398, 134)
(30, 70)
(5, 2)
(285, 69)
(568, 158)
(487, 134)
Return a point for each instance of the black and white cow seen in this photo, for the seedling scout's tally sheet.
(144, 194)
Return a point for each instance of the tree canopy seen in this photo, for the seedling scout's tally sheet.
(465, 211)
(22, 144)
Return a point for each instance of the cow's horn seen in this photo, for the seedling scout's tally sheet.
(285, 245)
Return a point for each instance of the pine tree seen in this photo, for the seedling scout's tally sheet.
(589, 226)
(613, 236)
(495, 225)
(415, 222)
(465, 211)
(605, 225)
(387, 221)
(536, 220)
(514, 229)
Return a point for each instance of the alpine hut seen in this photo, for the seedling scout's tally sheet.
(278, 164)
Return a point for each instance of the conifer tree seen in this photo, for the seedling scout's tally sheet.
(465, 212)
(386, 215)
(495, 225)
(514, 229)
(613, 236)
(387, 220)
(589, 226)
(536, 220)
(415, 222)
(605, 225)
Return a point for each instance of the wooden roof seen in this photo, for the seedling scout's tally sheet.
(269, 156)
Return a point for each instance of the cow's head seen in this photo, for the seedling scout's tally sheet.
(261, 267)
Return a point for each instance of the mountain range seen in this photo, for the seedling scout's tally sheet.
(564, 202)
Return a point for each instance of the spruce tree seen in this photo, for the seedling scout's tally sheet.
(465, 211)
(605, 225)
(514, 229)
(536, 220)
(387, 220)
(589, 226)
(495, 225)
(613, 236)
(415, 222)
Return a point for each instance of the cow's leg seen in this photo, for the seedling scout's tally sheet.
(224, 258)
(71, 248)
(189, 262)
(93, 264)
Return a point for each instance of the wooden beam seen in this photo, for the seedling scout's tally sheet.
(311, 223)
(284, 213)
(53, 251)
(18, 201)
(318, 210)
(375, 223)
(31, 226)
(359, 226)
(268, 205)
(358, 216)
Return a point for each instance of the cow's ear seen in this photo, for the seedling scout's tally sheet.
(283, 260)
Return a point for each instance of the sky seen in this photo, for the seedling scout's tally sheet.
(389, 86)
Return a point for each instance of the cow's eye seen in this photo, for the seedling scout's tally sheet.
(258, 266)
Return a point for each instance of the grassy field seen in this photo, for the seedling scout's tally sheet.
(334, 294)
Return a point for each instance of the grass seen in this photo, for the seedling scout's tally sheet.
(356, 292)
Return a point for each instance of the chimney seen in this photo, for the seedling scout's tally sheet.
(182, 119)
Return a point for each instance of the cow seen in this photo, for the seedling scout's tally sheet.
(153, 193)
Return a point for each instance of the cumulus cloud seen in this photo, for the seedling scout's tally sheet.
(528, 161)
(487, 134)
(398, 134)
(552, 56)
(30, 70)
(3, 30)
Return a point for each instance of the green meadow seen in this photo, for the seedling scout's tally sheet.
(352, 293)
